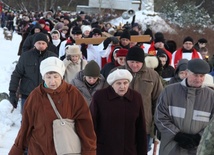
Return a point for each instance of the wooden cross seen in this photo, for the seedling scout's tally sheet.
(135, 38)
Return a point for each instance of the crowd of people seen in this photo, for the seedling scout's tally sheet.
(122, 93)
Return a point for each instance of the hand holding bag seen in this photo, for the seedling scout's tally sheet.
(66, 141)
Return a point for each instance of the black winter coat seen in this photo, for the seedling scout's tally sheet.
(27, 71)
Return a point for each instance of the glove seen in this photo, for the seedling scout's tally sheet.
(13, 99)
(84, 49)
(185, 141)
(106, 42)
(196, 138)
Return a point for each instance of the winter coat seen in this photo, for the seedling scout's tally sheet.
(119, 123)
(27, 71)
(207, 140)
(36, 131)
(87, 92)
(28, 43)
(147, 82)
(182, 109)
(73, 68)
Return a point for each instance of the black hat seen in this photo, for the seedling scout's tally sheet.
(67, 18)
(202, 40)
(188, 39)
(76, 30)
(79, 18)
(125, 34)
(40, 37)
(92, 69)
(159, 37)
(198, 66)
(135, 53)
(82, 13)
(133, 33)
(96, 30)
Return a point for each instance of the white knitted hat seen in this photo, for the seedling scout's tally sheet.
(119, 74)
(52, 64)
(85, 28)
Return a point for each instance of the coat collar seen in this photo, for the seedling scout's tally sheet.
(112, 95)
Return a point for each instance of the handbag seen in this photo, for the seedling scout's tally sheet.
(66, 141)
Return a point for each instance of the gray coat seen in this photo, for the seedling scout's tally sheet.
(79, 82)
(182, 109)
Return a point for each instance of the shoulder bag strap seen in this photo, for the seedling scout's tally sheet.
(54, 107)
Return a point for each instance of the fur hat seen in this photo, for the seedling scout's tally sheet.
(40, 37)
(73, 50)
(96, 30)
(76, 30)
(58, 26)
(208, 80)
(151, 61)
(202, 40)
(188, 39)
(122, 52)
(85, 28)
(52, 64)
(159, 37)
(135, 53)
(125, 34)
(198, 66)
(92, 69)
(64, 28)
(119, 74)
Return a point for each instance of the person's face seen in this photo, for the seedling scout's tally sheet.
(159, 45)
(66, 22)
(195, 80)
(133, 44)
(121, 60)
(55, 36)
(53, 80)
(36, 30)
(136, 29)
(76, 36)
(124, 41)
(91, 80)
(75, 58)
(41, 45)
(201, 45)
(79, 22)
(86, 33)
(182, 74)
(96, 35)
(121, 86)
(204, 54)
(135, 65)
(163, 60)
(188, 45)
(65, 31)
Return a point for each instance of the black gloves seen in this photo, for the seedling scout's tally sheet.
(187, 141)
(84, 50)
(13, 99)
(108, 40)
(68, 57)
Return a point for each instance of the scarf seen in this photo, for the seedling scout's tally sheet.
(179, 53)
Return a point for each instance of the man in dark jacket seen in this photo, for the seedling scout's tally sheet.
(26, 75)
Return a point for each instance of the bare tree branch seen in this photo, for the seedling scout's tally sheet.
(203, 1)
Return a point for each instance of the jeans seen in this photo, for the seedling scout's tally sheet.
(149, 142)
(22, 104)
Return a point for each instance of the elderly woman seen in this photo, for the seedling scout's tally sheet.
(118, 117)
(36, 132)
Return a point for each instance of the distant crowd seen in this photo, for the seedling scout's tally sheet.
(138, 89)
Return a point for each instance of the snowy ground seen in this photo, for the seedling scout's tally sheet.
(9, 121)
